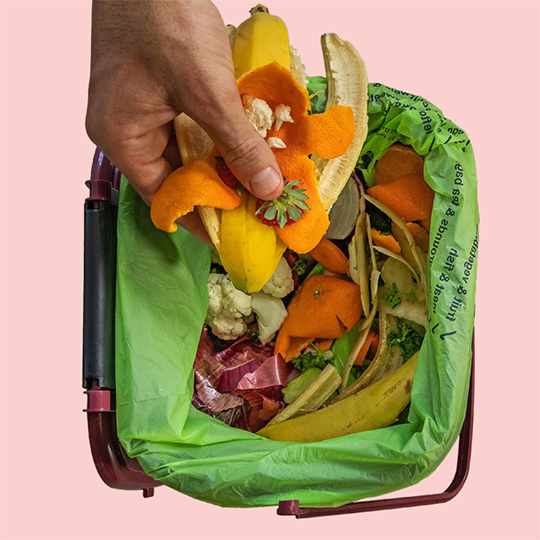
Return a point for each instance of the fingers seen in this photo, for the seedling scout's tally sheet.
(140, 159)
(250, 159)
(246, 153)
(172, 154)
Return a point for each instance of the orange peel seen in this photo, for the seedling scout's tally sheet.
(183, 189)
(334, 306)
(385, 241)
(327, 134)
(410, 197)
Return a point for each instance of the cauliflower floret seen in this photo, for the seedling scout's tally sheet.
(275, 142)
(227, 307)
(271, 312)
(259, 113)
(281, 283)
(227, 328)
(283, 114)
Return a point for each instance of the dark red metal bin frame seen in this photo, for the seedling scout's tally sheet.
(114, 466)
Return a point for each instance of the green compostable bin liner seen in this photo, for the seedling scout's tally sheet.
(160, 309)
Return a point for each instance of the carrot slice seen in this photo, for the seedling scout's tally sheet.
(365, 347)
(373, 347)
(330, 256)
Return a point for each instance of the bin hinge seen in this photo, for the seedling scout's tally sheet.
(102, 190)
(99, 399)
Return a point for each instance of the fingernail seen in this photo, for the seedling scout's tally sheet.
(266, 182)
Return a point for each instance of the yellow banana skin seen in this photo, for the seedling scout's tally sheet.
(261, 40)
(249, 250)
(375, 407)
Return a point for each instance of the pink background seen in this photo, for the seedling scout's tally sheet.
(478, 61)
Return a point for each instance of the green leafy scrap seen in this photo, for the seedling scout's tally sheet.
(378, 219)
(310, 359)
(393, 298)
(408, 337)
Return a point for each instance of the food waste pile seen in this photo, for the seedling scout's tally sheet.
(317, 299)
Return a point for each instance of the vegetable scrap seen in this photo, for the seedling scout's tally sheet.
(328, 340)
(385, 240)
(362, 355)
(330, 256)
(239, 385)
(420, 235)
(313, 338)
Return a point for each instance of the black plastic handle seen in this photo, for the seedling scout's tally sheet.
(99, 275)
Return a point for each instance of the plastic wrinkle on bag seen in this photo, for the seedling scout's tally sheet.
(161, 306)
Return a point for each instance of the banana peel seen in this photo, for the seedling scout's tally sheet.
(347, 84)
(260, 40)
(374, 407)
(387, 359)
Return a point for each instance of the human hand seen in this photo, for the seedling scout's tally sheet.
(150, 62)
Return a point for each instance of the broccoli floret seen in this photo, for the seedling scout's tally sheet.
(378, 220)
(310, 360)
(407, 337)
(253, 334)
(357, 371)
(300, 266)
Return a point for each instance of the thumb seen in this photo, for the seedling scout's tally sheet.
(244, 150)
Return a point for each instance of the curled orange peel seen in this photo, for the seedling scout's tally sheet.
(328, 135)
(385, 241)
(334, 305)
(194, 184)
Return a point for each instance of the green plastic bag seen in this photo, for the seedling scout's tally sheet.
(160, 310)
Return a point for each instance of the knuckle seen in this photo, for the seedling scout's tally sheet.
(92, 127)
(98, 128)
(248, 151)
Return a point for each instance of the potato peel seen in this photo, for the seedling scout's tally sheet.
(362, 233)
(387, 360)
(397, 257)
